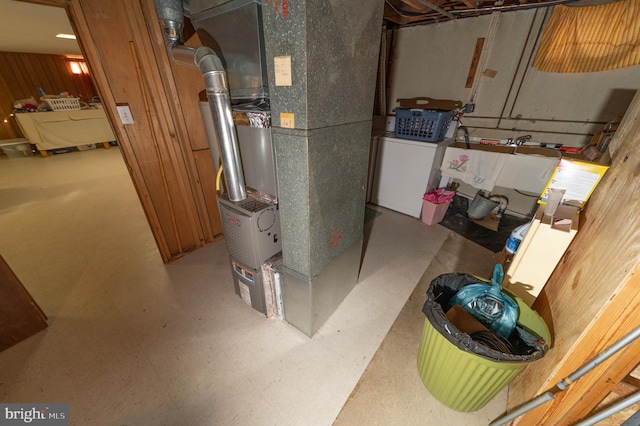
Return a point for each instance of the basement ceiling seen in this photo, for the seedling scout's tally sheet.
(411, 12)
(32, 28)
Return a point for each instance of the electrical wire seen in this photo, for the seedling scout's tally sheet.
(218, 178)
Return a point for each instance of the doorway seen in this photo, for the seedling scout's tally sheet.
(53, 210)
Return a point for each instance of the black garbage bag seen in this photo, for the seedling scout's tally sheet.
(525, 347)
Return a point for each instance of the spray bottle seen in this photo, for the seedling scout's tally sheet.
(516, 237)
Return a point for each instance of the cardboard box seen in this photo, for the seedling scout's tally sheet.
(433, 213)
(540, 251)
(464, 321)
(423, 102)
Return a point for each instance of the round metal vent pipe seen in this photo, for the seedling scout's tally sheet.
(171, 16)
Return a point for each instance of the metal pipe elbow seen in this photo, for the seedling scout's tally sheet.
(207, 60)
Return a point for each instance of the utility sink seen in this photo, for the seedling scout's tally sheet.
(524, 168)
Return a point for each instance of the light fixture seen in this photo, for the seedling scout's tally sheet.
(79, 67)
(75, 68)
(69, 36)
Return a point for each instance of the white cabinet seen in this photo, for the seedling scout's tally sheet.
(404, 171)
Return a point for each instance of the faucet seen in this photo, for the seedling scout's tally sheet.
(520, 140)
(465, 131)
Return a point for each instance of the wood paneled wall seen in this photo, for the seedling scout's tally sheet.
(165, 147)
(22, 73)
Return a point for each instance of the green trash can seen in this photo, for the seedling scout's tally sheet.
(459, 372)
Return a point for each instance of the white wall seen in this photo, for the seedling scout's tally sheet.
(433, 60)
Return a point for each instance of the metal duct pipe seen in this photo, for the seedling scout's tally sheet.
(215, 80)
(171, 16)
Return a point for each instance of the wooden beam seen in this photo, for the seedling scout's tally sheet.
(475, 60)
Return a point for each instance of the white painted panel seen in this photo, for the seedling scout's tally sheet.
(433, 60)
(595, 96)
(405, 170)
(504, 58)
